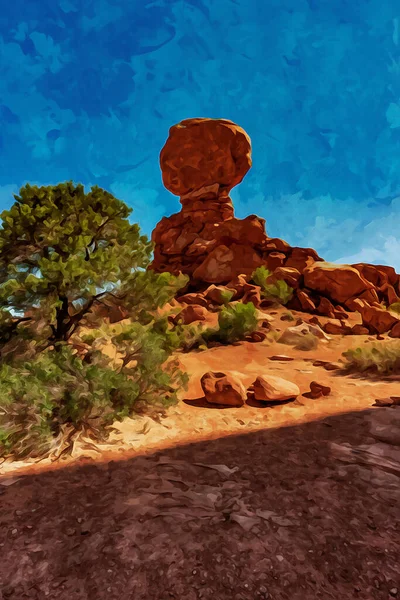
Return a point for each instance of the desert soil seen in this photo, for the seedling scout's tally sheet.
(296, 501)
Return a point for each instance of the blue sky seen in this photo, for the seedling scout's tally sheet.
(89, 89)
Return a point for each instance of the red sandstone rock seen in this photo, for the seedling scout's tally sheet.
(225, 262)
(301, 258)
(325, 308)
(317, 390)
(274, 260)
(305, 301)
(339, 282)
(220, 388)
(377, 320)
(269, 388)
(289, 274)
(204, 152)
(336, 327)
(360, 330)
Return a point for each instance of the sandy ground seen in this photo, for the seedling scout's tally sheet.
(294, 501)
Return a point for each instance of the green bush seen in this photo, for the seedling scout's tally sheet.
(277, 290)
(47, 401)
(381, 358)
(235, 322)
(226, 296)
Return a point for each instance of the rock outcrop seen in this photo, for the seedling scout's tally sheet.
(202, 160)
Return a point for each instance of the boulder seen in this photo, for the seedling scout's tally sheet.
(339, 282)
(204, 152)
(325, 308)
(376, 320)
(336, 327)
(306, 303)
(269, 388)
(224, 389)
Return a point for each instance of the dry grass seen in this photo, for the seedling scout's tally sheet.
(381, 358)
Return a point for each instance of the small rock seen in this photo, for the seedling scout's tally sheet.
(281, 357)
(269, 388)
(328, 366)
(317, 390)
(393, 591)
(220, 388)
(256, 336)
(392, 401)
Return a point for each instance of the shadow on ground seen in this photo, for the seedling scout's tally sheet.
(275, 514)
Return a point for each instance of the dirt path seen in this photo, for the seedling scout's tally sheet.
(283, 514)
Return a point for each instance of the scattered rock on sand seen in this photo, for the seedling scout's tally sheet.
(281, 357)
(256, 336)
(392, 401)
(318, 389)
(224, 389)
(269, 388)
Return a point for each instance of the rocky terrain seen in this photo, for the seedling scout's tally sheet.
(202, 160)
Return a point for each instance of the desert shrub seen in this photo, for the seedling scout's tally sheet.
(380, 358)
(395, 307)
(235, 322)
(46, 402)
(308, 342)
(226, 296)
(277, 290)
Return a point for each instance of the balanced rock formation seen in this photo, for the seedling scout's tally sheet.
(202, 160)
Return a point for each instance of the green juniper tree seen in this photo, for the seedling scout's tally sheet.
(62, 252)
